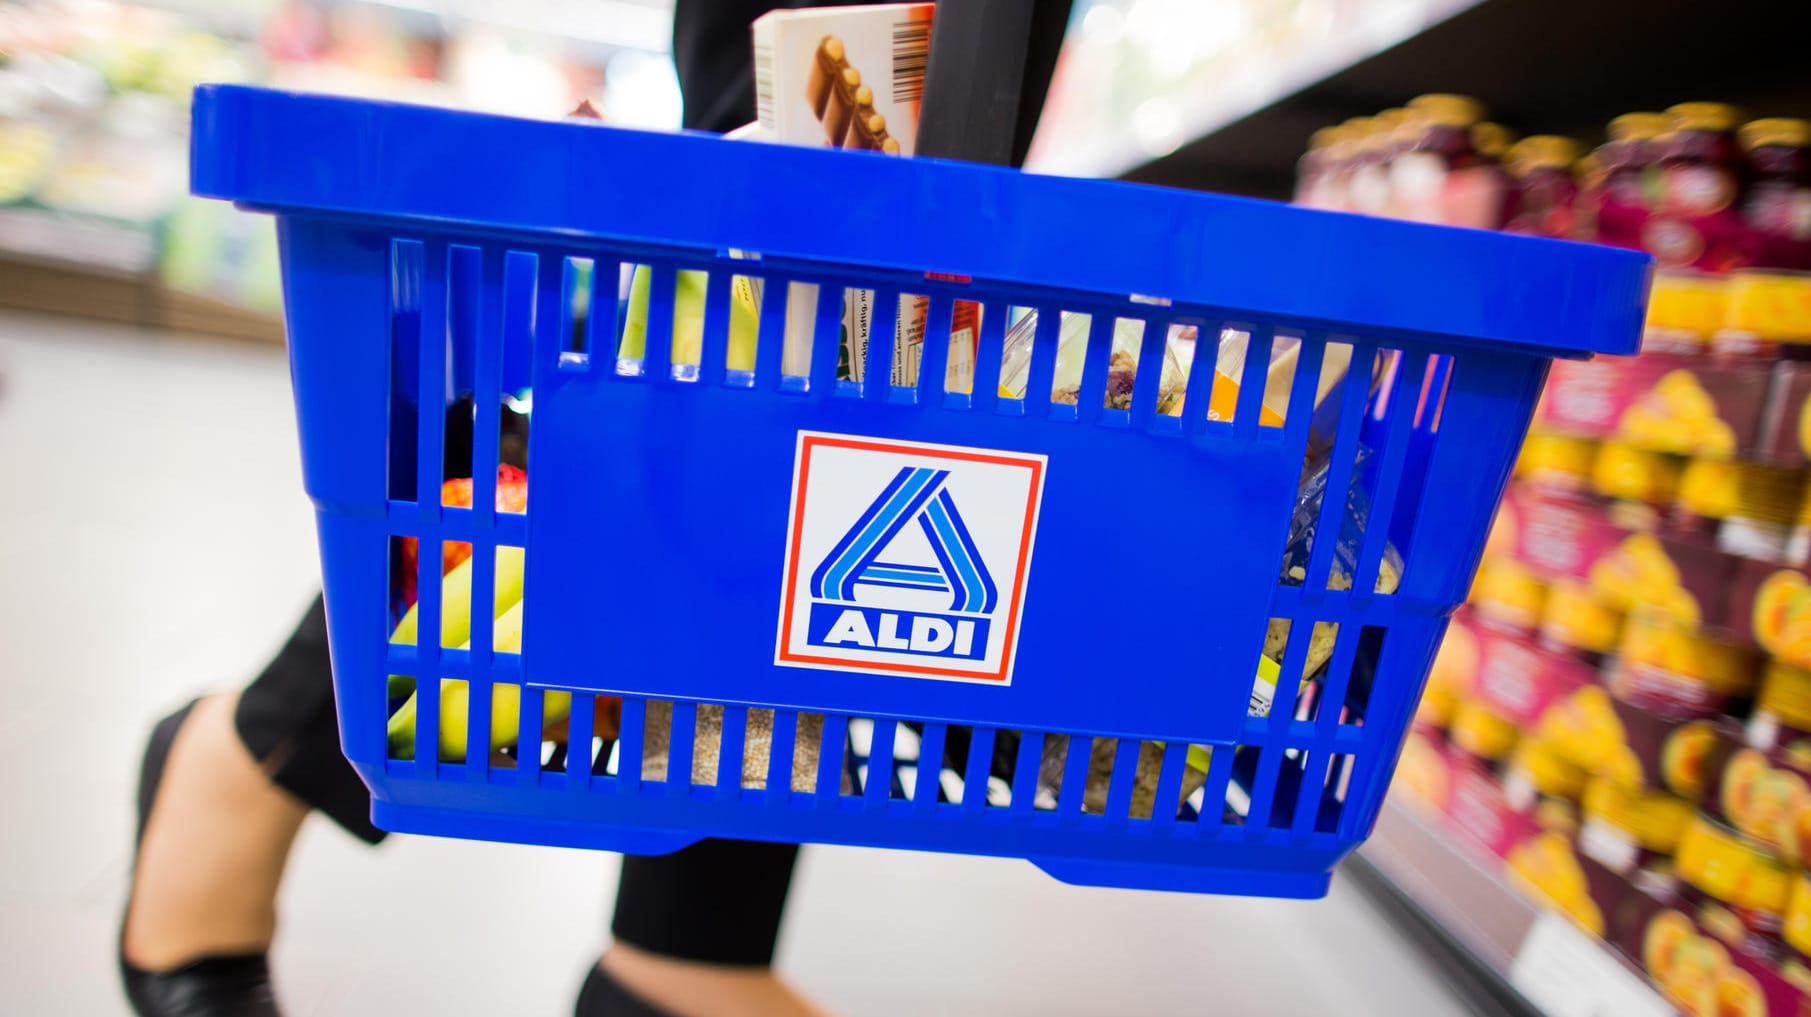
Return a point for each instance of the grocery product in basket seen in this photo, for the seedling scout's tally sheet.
(757, 746)
(688, 320)
(853, 78)
(1303, 526)
(1778, 208)
(512, 496)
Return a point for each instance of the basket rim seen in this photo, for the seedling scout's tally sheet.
(388, 162)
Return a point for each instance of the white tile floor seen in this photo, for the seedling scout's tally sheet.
(154, 542)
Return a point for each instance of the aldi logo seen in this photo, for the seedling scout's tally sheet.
(907, 559)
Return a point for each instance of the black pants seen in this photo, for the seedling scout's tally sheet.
(718, 901)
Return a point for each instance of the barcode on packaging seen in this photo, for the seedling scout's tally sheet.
(765, 113)
(911, 44)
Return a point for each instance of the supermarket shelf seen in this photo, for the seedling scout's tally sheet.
(92, 245)
(1552, 66)
(1504, 950)
(101, 293)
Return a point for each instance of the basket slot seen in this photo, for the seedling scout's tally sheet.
(990, 349)
(771, 359)
(934, 358)
(477, 727)
(1092, 394)
(1124, 778)
(930, 768)
(431, 387)
(1263, 787)
(1398, 426)
(1076, 766)
(877, 782)
(602, 316)
(830, 757)
(1252, 382)
(1339, 693)
(1304, 386)
(1353, 392)
(633, 732)
(1023, 795)
(1334, 794)
(568, 291)
(579, 735)
(826, 340)
(1166, 801)
(713, 349)
(659, 360)
(782, 729)
(1301, 636)
(682, 725)
(729, 753)
(1152, 348)
(1308, 800)
(1042, 377)
(530, 736)
(883, 326)
(1218, 794)
(405, 335)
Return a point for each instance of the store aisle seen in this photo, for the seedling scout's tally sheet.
(154, 543)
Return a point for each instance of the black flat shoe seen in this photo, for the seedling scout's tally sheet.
(237, 986)
(209, 987)
(604, 996)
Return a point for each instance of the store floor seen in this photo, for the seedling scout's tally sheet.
(154, 543)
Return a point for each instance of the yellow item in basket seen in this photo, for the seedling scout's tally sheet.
(688, 318)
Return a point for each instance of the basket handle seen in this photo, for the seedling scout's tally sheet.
(990, 64)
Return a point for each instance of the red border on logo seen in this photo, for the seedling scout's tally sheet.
(810, 441)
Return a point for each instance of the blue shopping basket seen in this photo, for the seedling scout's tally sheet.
(932, 584)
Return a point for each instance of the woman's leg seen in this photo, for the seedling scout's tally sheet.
(225, 786)
(694, 935)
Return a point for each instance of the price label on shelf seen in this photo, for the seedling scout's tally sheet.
(1566, 973)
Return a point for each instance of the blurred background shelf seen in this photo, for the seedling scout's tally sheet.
(1235, 108)
(1507, 955)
